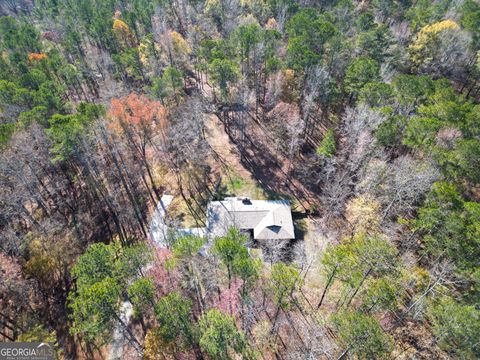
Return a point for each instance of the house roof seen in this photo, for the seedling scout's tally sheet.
(269, 219)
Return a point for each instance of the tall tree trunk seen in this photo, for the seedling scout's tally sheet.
(360, 285)
(329, 281)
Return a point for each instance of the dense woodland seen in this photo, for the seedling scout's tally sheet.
(364, 114)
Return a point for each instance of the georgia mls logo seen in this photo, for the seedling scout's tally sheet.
(26, 351)
(44, 349)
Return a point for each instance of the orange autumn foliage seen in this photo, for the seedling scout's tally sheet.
(271, 24)
(36, 56)
(136, 112)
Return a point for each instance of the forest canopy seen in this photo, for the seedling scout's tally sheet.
(363, 115)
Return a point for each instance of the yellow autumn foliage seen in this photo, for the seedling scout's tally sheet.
(144, 50)
(179, 45)
(41, 264)
(271, 24)
(213, 6)
(289, 74)
(154, 346)
(120, 26)
(122, 33)
(363, 213)
(439, 27)
(427, 36)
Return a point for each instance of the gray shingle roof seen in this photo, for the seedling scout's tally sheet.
(269, 219)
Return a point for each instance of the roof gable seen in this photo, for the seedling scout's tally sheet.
(269, 219)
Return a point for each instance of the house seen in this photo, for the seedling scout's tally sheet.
(263, 219)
